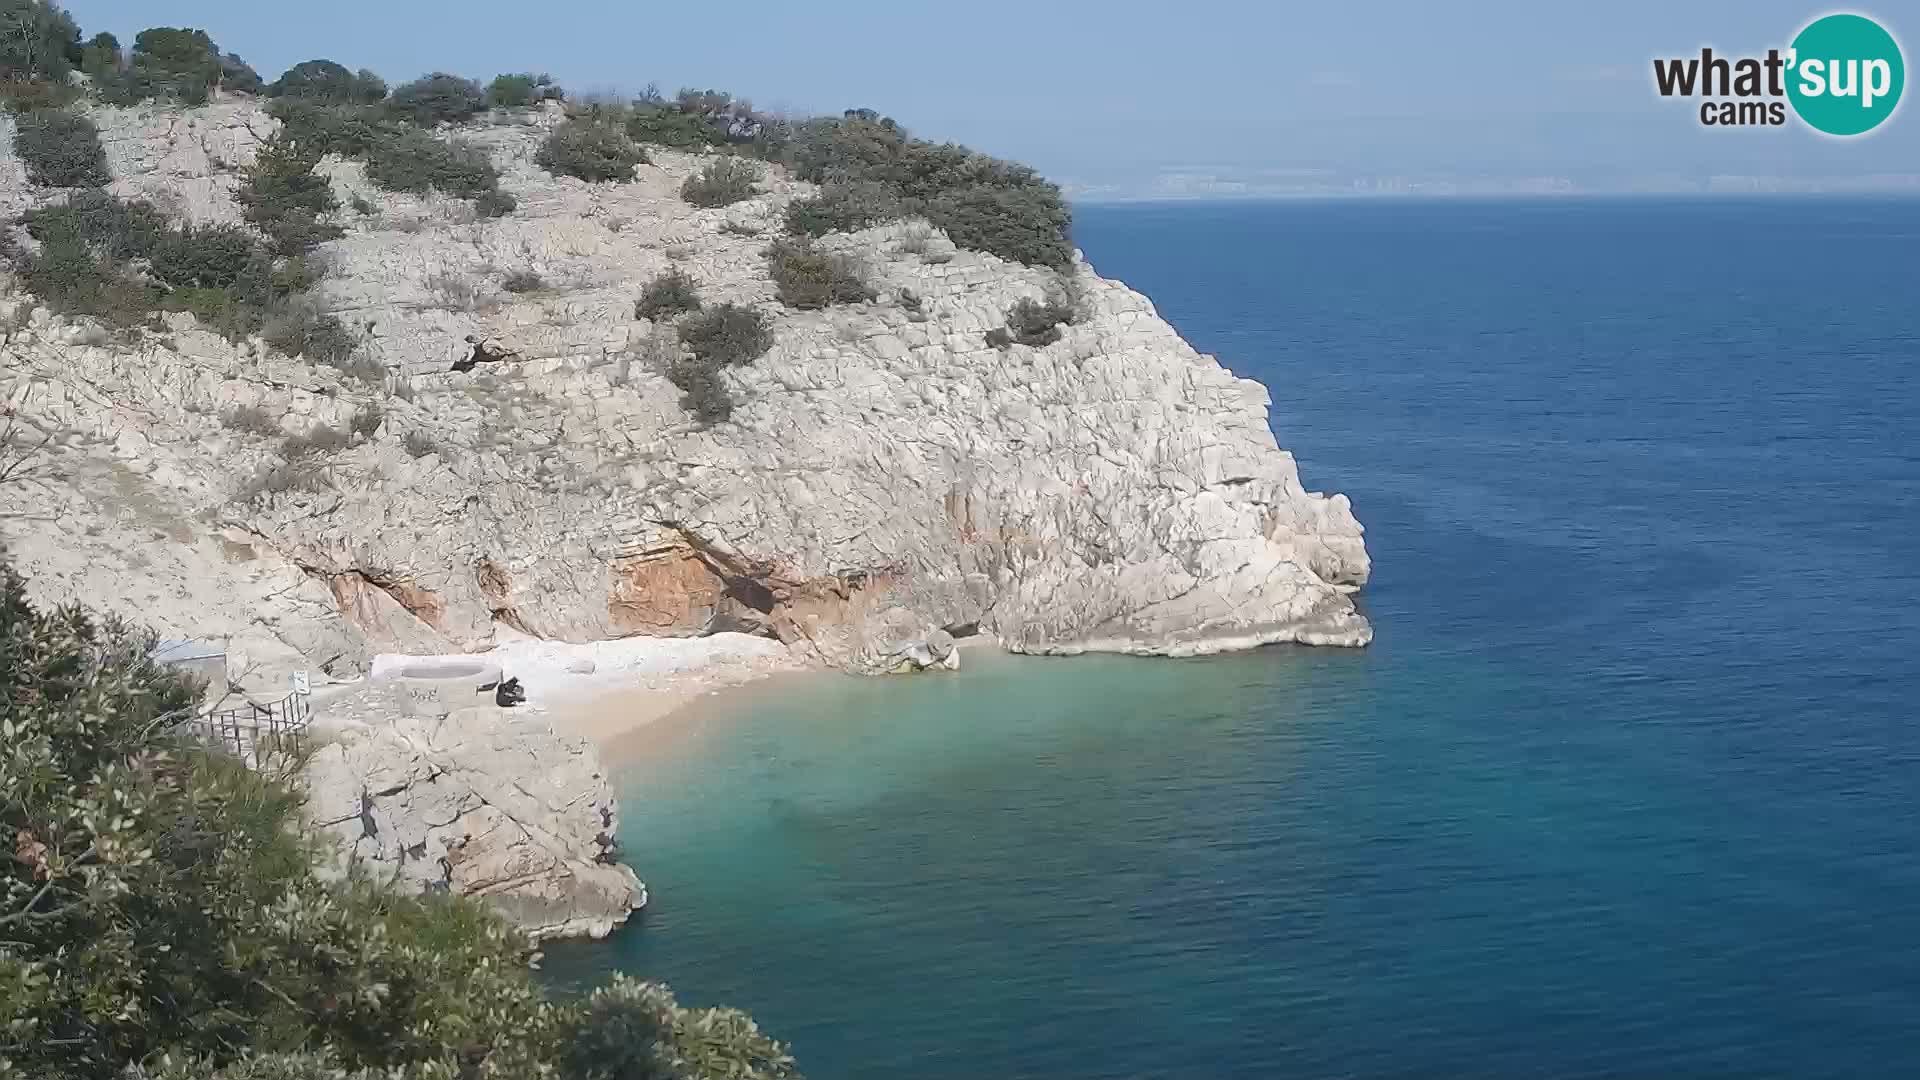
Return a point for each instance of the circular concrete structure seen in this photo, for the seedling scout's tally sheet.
(435, 686)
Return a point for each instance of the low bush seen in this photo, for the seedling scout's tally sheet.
(723, 182)
(523, 281)
(71, 277)
(663, 124)
(208, 257)
(667, 296)
(367, 421)
(416, 162)
(251, 419)
(419, 444)
(60, 149)
(591, 150)
(1025, 225)
(844, 206)
(985, 204)
(35, 94)
(522, 90)
(283, 196)
(808, 279)
(1036, 323)
(702, 391)
(324, 80)
(117, 229)
(726, 334)
(301, 328)
(351, 131)
(319, 440)
(438, 98)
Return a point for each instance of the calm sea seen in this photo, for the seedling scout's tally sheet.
(1629, 785)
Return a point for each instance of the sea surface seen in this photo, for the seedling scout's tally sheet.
(1628, 786)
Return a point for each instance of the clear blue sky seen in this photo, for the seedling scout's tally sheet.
(1117, 92)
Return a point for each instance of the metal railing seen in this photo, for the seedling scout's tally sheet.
(257, 734)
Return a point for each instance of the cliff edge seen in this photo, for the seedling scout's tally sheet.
(889, 471)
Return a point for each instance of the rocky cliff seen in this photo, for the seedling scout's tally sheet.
(888, 473)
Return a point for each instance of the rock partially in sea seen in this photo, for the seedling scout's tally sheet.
(484, 802)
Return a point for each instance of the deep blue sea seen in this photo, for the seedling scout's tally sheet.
(1628, 786)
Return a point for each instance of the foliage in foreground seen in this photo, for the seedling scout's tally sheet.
(162, 918)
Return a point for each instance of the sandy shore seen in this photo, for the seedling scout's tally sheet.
(606, 690)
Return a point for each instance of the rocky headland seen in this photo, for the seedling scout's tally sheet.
(509, 459)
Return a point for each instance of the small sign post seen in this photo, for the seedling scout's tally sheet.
(301, 684)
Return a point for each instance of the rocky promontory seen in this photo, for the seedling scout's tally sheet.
(518, 451)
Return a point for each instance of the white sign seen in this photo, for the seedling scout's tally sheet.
(300, 683)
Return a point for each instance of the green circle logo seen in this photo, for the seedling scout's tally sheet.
(1845, 74)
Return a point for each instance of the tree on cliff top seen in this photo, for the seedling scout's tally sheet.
(38, 40)
(161, 916)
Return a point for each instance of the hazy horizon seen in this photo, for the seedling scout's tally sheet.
(1117, 102)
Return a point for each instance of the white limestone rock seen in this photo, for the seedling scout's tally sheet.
(484, 802)
(1113, 491)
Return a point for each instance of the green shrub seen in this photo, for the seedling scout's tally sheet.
(38, 40)
(702, 391)
(438, 98)
(118, 230)
(723, 182)
(416, 162)
(1035, 323)
(590, 150)
(367, 421)
(350, 131)
(985, 204)
(324, 80)
(167, 920)
(666, 125)
(238, 77)
(61, 149)
(1024, 225)
(300, 328)
(71, 278)
(283, 196)
(251, 419)
(522, 90)
(669, 295)
(176, 62)
(419, 444)
(523, 281)
(726, 334)
(808, 279)
(100, 54)
(844, 206)
(209, 256)
(35, 94)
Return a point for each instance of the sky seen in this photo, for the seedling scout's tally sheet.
(1127, 98)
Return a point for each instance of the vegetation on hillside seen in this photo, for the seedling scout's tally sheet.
(163, 915)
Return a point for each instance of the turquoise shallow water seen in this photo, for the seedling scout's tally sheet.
(1625, 787)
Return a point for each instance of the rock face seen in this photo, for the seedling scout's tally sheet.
(482, 802)
(887, 475)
